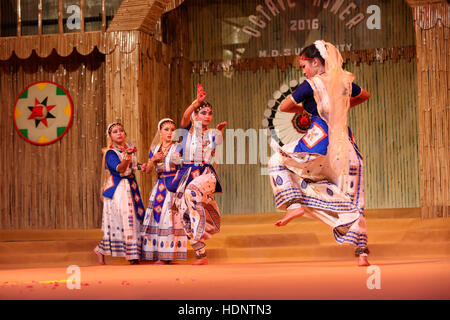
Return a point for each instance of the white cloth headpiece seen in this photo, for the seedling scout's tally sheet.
(320, 45)
(156, 142)
(164, 120)
(111, 125)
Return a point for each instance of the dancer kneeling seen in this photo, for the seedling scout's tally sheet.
(123, 210)
(196, 182)
(163, 236)
(321, 175)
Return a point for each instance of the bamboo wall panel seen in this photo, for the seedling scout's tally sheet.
(122, 85)
(154, 100)
(216, 27)
(432, 23)
(164, 92)
(385, 129)
(165, 80)
(138, 15)
(63, 44)
(141, 89)
(132, 84)
(53, 186)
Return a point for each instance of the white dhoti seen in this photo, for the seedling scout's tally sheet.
(338, 201)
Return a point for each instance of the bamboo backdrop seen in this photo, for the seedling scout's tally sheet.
(216, 28)
(385, 129)
(157, 90)
(63, 44)
(432, 26)
(54, 186)
(164, 84)
(139, 15)
(132, 84)
(137, 92)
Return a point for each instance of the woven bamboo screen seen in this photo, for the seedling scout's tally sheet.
(432, 26)
(53, 186)
(216, 27)
(141, 89)
(157, 89)
(57, 186)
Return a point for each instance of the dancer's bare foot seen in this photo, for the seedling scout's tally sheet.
(363, 262)
(290, 214)
(158, 262)
(201, 261)
(101, 258)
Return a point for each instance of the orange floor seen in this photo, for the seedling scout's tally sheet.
(409, 278)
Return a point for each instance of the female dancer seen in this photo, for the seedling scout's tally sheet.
(196, 181)
(123, 210)
(163, 236)
(321, 175)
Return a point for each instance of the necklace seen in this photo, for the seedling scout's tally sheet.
(118, 148)
(165, 150)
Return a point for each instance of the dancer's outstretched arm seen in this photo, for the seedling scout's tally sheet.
(201, 95)
(289, 105)
(360, 98)
(122, 167)
(188, 113)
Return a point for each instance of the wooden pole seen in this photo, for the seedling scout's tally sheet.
(60, 17)
(104, 15)
(19, 19)
(82, 15)
(40, 17)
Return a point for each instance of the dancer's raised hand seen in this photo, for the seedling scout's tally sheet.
(201, 94)
(221, 125)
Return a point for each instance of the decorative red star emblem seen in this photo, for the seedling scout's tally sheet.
(40, 112)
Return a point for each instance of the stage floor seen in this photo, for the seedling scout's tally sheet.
(408, 278)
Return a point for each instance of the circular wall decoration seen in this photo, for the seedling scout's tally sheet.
(43, 113)
(285, 127)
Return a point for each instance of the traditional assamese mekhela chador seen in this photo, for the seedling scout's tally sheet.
(123, 210)
(163, 236)
(196, 182)
(321, 175)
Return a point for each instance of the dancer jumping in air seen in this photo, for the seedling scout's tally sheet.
(321, 175)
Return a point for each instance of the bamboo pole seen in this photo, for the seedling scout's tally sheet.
(104, 15)
(39, 17)
(82, 14)
(432, 46)
(19, 19)
(60, 17)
